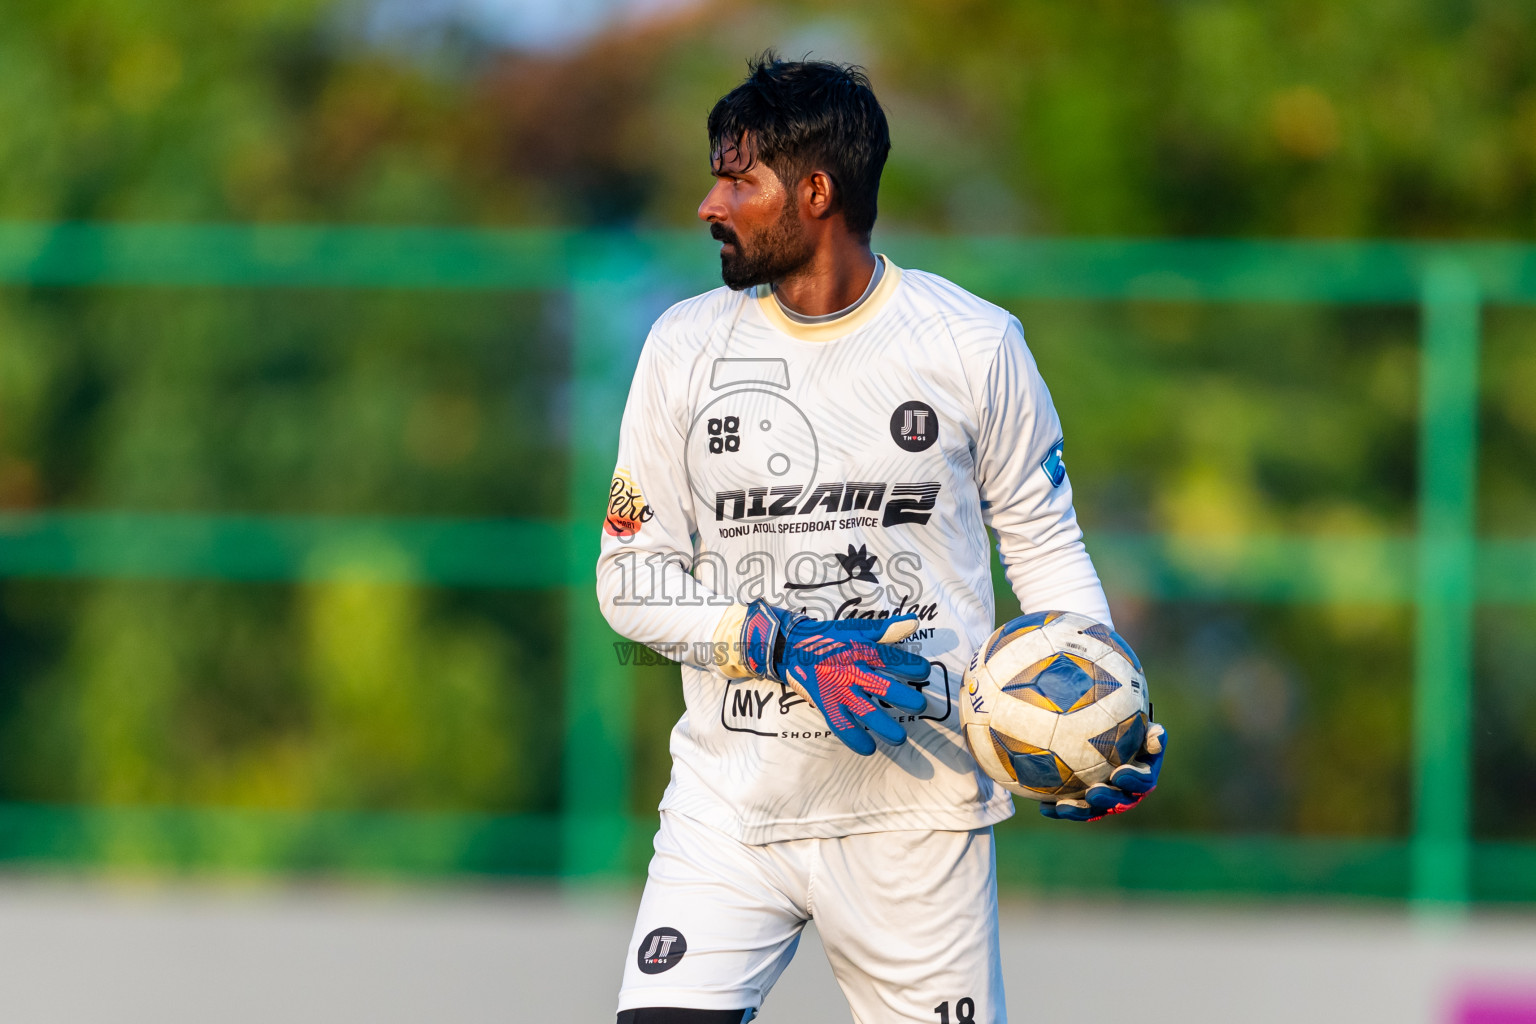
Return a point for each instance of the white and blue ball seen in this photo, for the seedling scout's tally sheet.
(1054, 702)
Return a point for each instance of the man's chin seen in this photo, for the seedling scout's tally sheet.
(739, 278)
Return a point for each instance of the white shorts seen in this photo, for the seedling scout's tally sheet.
(908, 919)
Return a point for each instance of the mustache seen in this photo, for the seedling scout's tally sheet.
(720, 233)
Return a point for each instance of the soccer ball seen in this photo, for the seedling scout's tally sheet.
(1054, 703)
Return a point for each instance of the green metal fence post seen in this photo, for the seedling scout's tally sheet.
(598, 693)
(1445, 598)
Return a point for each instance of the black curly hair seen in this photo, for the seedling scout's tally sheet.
(799, 116)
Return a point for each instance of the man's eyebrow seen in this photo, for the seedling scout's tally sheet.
(718, 168)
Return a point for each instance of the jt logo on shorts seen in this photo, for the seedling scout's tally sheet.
(661, 950)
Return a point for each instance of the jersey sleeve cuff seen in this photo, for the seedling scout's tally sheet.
(729, 657)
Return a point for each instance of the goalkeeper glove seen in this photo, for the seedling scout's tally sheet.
(840, 667)
(1128, 785)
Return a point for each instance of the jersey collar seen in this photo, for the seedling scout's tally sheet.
(831, 329)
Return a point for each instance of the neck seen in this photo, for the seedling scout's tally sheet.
(833, 280)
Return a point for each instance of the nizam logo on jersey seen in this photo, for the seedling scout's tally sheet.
(753, 432)
(908, 503)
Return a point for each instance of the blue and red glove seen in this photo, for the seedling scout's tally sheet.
(1128, 784)
(840, 667)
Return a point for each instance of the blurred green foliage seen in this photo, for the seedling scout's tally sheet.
(1212, 422)
(323, 694)
(1300, 117)
(1408, 118)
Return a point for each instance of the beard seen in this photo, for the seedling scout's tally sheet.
(779, 251)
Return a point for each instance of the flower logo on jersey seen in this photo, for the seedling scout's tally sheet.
(857, 564)
(627, 510)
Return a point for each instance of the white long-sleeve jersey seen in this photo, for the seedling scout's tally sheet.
(846, 468)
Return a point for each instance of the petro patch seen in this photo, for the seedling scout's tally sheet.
(627, 510)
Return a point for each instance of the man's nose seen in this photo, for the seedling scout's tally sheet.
(712, 208)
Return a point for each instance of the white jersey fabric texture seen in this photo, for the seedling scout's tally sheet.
(847, 468)
(721, 919)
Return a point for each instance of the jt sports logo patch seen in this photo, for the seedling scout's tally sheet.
(915, 426)
(661, 950)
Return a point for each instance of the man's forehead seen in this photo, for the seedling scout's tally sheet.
(733, 155)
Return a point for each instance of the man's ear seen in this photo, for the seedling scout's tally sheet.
(819, 194)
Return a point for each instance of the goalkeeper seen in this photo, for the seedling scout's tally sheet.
(809, 462)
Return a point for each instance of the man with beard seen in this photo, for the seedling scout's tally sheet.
(808, 464)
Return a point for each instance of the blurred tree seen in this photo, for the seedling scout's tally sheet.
(1213, 117)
